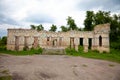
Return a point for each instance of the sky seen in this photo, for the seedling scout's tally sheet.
(23, 13)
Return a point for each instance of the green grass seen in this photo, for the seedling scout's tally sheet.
(5, 78)
(114, 55)
(5, 75)
(26, 52)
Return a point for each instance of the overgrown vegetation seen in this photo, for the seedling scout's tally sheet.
(102, 17)
(32, 51)
(5, 75)
(114, 55)
(90, 21)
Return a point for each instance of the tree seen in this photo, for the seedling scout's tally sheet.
(33, 27)
(102, 17)
(53, 28)
(3, 41)
(115, 28)
(71, 23)
(88, 22)
(40, 27)
(64, 29)
(93, 19)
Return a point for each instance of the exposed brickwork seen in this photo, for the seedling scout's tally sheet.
(19, 38)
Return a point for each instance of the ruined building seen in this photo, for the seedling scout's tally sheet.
(98, 39)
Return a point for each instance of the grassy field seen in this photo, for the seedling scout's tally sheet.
(114, 55)
(24, 52)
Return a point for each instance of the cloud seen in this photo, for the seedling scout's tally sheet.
(3, 32)
(108, 5)
(39, 18)
(7, 20)
(22, 13)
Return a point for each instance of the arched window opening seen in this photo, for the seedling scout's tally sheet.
(100, 41)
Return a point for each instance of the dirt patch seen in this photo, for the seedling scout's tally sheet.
(45, 75)
(17, 76)
(59, 67)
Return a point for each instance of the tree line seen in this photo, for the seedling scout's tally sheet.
(92, 19)
(70, 23)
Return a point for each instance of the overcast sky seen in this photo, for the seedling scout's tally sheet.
(23, 13)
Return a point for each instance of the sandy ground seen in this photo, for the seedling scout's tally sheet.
(59, 67)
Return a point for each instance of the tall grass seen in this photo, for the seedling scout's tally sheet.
(24, 52)
(114, 55)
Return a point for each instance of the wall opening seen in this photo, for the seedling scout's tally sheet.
(81, 41)
(100, 41)
(90, 43)
(35, 44)
(25, 42)
(48, 39)
(17, 43)
(54, 42)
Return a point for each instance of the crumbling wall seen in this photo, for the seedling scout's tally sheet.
(20, 38)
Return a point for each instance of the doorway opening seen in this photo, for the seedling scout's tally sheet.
(81, 41)
(54, 42)
(35, 44)
(90, 43)
(100, 41)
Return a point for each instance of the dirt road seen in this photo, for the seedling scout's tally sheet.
(59, 67)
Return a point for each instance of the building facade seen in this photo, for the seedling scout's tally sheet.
(98, 39)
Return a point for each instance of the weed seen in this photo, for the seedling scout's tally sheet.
(111, 65)
(84, 65)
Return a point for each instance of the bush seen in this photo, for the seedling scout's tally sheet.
(25, 48)
(115, 45)
(70, 51)
(80, 49)
(2, 47)
(40, 50)
(95, 51)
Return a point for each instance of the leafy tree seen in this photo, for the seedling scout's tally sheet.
(93, 19)
(40, 27)
(80, 29)
(102, 17)
(53, 28)
(3, 41)
(88, 22)
(33, 27)
(71, 23)
(115, 28)
(64, 29)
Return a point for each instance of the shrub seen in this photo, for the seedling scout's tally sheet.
(80, 49)
(25, 48)
(105, 52)
(115, 45)
(95, 51)
(70, 51)
(40, 50)
(2, 47)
